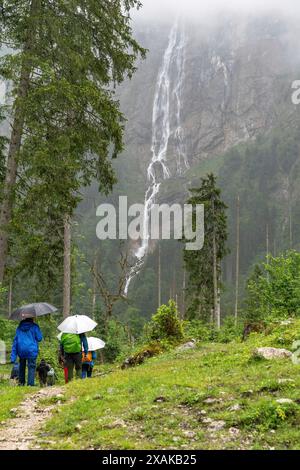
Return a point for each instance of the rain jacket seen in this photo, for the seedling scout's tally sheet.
(26, 340)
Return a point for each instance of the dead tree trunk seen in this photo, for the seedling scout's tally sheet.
(237, 266)
(268, 248)
(10, 297)
(183, 293)
(159, 276)
(16, 138)
(94, 289)
(291, 226)
(217, 313)
(67, 267)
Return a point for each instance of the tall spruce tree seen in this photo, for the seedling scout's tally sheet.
(65, 56)
(204, 266)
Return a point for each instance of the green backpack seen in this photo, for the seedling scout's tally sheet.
(71, 343)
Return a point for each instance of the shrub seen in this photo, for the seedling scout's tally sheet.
(116, 340)
(165, 324)
(267, 415)
(7, 330)
(199, 330)
(140, 356)
(229, 330)
(273, 290)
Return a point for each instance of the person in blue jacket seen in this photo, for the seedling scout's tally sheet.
(26, 346)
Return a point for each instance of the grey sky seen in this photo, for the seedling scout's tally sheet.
(200, 8)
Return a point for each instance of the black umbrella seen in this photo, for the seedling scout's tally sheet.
(32, 311)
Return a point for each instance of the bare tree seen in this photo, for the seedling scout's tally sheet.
(216, 280)
(109, 297)
(237, 267)
(268, 248)
(183, 292)
(10, 297)
(67, 267)
(94, 289)
(159, 276)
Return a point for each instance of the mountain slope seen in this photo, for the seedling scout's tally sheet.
(215, 397)
(235, 90)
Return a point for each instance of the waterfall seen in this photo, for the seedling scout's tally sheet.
(2, 92)
(166, 124)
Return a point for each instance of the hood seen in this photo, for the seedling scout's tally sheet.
(26, 325)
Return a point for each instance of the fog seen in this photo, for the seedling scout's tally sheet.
(201, 9)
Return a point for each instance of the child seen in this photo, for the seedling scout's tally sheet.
(88, 364)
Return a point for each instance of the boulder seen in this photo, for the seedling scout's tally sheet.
(284, 401)
(272, 353)
(190, 345)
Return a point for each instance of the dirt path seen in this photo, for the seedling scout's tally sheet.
(19, 433)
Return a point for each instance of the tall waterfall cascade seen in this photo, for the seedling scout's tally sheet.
(166, 125)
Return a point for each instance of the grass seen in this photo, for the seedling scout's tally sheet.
(214, 397)
(10, 396)
(162, 404)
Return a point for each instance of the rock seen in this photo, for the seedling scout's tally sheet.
(190, 434)
(97, 397)
(207, 420)
(119, 423)
(211, 401)
(236, 407)
(159, 400)
(203, 412)
(285, 381)
(190, 345)
(78, 427)
(283, 401)
(247, 393)
(216, 426)
(59, 396)
(234, 431)
(272, 353)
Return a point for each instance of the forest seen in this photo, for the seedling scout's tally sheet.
(139, 344)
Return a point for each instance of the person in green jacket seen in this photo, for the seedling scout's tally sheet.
(71, 346)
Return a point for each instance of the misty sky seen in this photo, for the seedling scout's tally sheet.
(199, 8)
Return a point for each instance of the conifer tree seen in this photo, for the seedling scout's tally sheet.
(204, 266)
(64, 59)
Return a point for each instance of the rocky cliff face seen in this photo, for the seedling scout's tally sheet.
(237, 84)
(203, 89)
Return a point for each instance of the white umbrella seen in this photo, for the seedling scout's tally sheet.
(77, 324)
(95, 343)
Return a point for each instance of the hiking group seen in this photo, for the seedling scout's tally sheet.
(75, 351)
